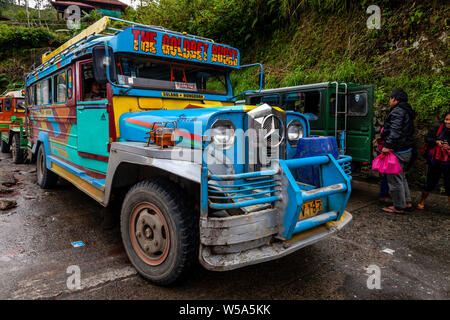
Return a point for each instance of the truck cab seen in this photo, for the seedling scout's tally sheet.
(12, 122)
(353, 125)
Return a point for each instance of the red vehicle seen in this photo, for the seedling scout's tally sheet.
(12, 119)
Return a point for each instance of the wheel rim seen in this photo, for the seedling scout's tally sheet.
(149, 234)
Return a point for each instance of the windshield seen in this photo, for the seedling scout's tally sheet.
(20, 103)
(148, 73)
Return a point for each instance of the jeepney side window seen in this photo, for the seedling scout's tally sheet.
(8, 103)
(69, 84)
(357, 104)
(37, 94)
(30, 96)
(60, 89)
(47, 91)
(90, 88)
(1, 105)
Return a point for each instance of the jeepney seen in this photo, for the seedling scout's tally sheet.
(343, 110)
(152, 111)
(12, 125)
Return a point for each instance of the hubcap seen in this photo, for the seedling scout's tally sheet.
(149, 234)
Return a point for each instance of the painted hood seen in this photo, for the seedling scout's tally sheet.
(191, 123)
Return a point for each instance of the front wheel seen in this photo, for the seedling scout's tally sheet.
(159, 231)
(16, 152)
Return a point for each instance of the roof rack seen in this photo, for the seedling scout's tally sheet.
(98, 29)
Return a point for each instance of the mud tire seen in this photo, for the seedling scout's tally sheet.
(178, 221)
(46, 179)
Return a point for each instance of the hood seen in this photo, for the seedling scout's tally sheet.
(191, 123)
(407, 107)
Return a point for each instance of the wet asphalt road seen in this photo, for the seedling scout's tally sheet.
(36, 250)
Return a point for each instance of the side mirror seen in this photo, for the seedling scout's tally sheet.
(101, 62)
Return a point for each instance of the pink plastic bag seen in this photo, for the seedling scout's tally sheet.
(386, 163)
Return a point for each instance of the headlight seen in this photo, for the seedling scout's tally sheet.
(223, 134)
(295, 131)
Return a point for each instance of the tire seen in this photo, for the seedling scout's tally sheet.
(46, 179)
(159, 231)
(17, 152)
(4, 147)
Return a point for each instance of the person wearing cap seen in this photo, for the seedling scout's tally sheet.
(398, 139)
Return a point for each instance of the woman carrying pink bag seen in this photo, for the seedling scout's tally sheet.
(387, 163)
(397, 135)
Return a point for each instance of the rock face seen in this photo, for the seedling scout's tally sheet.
(7, 179)
(7, 204)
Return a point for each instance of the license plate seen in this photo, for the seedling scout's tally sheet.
(310, 209)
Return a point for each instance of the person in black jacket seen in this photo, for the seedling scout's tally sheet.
(398, 138)
(440, 136)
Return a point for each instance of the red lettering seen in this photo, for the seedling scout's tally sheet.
(166, 40)
(152, 37)
(136, 34)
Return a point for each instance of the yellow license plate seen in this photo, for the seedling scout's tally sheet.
(310, 209)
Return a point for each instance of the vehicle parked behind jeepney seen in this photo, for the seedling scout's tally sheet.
(12, 122)
(152, 112)
(353, 127)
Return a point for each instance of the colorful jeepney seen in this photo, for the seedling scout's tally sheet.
(12, 125)
(150, 113)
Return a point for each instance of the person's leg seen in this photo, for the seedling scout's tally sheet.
(431, 180)
(384, 190)
(446, 171)
(398, 185)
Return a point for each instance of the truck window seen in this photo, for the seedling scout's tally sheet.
(8, 103)
(357, 104)
(147, 73)
(60, 90)
(91, 89)
(303, 102)
(20, 103)
(1, 105)
(47, 91)
(271, 100)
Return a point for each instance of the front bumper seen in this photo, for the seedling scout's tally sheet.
(270, 224)
(216, 261)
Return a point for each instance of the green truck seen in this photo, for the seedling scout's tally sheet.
(353, 126)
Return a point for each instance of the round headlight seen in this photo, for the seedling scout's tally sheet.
(223, 133)
(295, 131)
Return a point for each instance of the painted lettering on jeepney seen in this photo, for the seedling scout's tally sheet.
(144, 41)
(174, 46)
(226, 56)
(184, 48)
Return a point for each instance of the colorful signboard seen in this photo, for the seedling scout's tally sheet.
(167, 45)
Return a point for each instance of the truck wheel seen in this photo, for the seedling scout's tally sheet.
(4, 145)
(45, 178)
(16, 152)
(159, 231)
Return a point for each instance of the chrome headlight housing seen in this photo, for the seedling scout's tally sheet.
(295, 131)
(223, 133)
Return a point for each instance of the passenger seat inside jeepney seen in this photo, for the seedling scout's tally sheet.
(91, 89)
